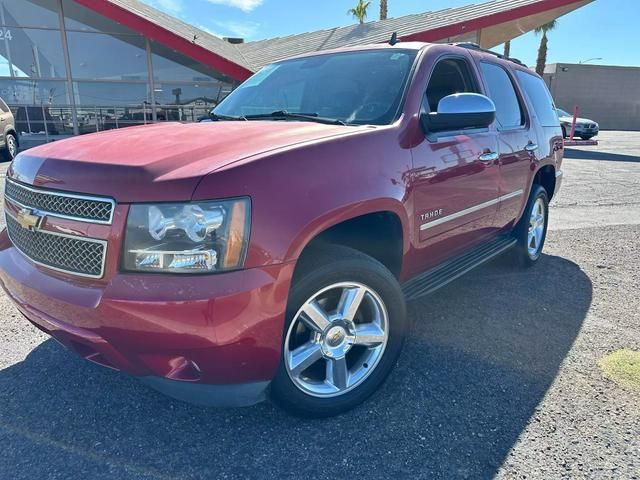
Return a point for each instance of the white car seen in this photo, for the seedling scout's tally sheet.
(585, 128)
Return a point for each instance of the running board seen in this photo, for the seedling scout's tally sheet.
(441, 275)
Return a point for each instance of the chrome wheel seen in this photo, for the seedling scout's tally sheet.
(12, 146)
(536, 228)
(336, 339)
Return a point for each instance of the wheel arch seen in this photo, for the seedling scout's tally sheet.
(354, 227)
(12, 131)
(545, 176)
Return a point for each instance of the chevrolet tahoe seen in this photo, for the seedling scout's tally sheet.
(270, 252)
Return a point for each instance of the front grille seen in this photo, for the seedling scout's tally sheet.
(79, 256)
(77, 207)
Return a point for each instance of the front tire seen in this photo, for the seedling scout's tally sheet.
(10, 150)
(344, 330)
(531, 231)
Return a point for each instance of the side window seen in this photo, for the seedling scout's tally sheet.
(500, 89)
(539, 97)
(451, 75)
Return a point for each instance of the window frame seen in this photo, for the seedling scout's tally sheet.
(477, 84)
(524, 111)
(450, 56)
(531, 102)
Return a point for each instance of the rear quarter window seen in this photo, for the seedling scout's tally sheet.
(540, 98)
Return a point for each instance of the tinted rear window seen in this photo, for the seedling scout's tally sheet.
(540, 98)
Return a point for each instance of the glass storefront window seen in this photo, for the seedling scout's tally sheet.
(172, 66)
(188, 94)
(99, 56)
(5, 66)
(30, 13)
(35, 53)
(110, 94)
(77, 17)
(34, 92)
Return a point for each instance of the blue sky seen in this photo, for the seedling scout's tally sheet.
(604, 28)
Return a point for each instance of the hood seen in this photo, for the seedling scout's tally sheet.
(161, 162)
(569, 120)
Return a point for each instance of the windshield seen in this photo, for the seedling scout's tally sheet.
(562, 113)
(363, 87)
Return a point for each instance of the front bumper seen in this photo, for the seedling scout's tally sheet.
(583, 130)
(216, 338)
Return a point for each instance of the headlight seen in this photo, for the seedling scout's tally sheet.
(194, 237)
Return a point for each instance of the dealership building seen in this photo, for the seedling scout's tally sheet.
(77, 66)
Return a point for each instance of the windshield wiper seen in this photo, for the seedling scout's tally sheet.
(283, 114)
(217, 117)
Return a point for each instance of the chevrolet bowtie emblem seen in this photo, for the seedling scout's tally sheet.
(28, 220)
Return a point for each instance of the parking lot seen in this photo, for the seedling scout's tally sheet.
(499, 376)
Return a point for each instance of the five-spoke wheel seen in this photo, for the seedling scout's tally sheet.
(537, 224)
(336, 339)
(345, 326)
(531, 231)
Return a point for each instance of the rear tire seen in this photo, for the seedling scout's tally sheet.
(351, 351)
(531, 231)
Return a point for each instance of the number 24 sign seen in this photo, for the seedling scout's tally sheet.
(5, 34)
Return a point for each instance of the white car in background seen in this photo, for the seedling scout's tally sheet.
(585, 129)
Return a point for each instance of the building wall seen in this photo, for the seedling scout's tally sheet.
(66, 70)
(609, 95)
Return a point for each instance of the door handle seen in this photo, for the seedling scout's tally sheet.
(488, 157)
(531, 147)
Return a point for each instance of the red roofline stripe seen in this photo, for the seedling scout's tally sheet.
(167, 38)
(487, 21)
(239, 72)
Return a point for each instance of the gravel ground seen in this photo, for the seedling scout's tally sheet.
(499, 377)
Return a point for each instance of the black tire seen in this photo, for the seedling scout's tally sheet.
(6, 153)
(564, 132)
(521, 254)
(587, 137)
(321, 268)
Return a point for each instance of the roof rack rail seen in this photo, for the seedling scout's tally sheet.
(475, 46)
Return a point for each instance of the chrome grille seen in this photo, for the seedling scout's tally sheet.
(65, 205)
(79, 256)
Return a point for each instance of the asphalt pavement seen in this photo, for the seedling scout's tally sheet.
(499, 377)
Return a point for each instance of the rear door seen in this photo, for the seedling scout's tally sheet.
(517, 141)
(455, 186)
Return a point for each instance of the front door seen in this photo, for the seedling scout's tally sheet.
(455, 177)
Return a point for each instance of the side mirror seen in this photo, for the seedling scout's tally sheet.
(460, 111)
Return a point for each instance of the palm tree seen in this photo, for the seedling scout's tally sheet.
(360, 11)
(383, 9)
(542, 51)
(507, 48)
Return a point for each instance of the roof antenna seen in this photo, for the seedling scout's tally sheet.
(394, 39)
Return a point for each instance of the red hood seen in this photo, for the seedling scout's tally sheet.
(161, 162)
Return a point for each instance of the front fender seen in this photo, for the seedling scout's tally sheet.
(298, 193)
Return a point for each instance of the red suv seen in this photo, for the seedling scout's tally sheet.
(271, 251)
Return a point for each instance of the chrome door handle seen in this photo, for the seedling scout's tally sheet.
(531, 147)
(488, 157)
